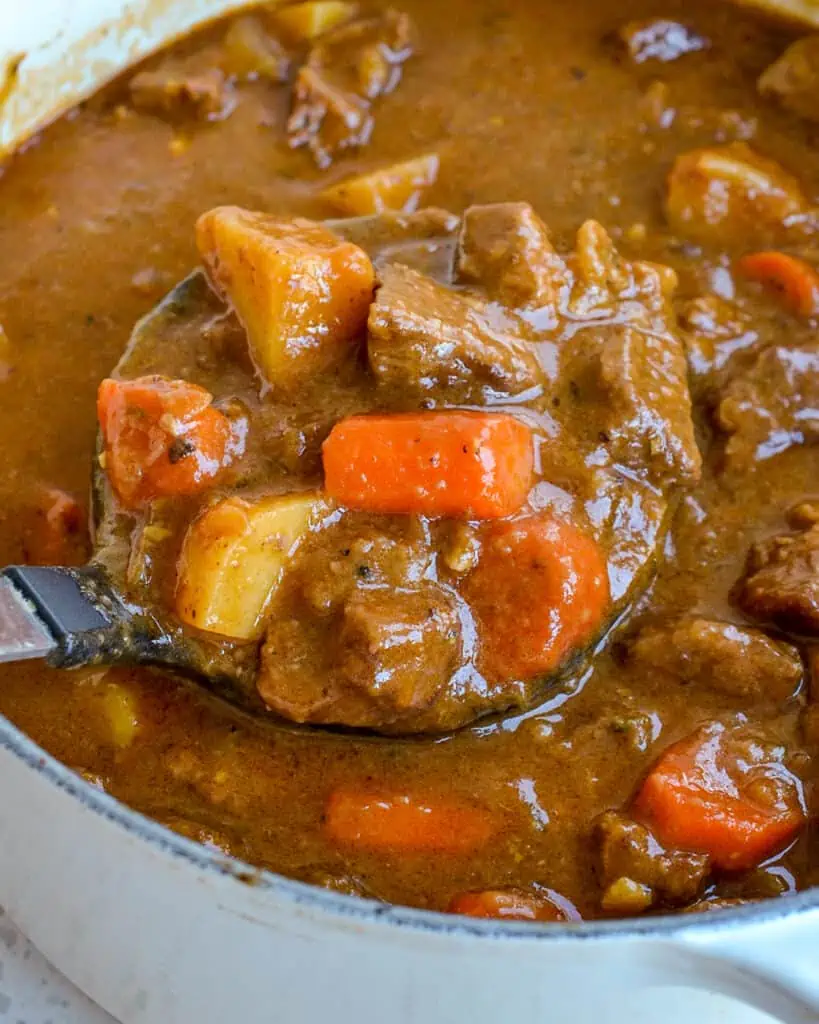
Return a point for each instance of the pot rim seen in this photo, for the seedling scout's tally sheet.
(302, 894)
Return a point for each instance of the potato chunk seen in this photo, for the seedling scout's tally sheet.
(303, 22)
(732, 195)
(397, 187)
(302, 293)
(233, 558)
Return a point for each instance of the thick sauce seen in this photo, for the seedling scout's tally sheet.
(523, 100)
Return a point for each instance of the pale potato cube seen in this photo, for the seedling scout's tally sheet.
(397, 187)
(121, 710)
(731, 195)
(302, 293)
(301, 23)
(233, 559)
(249, 52)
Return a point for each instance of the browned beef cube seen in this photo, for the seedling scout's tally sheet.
(781, 582)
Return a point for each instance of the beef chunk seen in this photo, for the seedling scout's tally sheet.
(793, 80)
(183, 91)
(716, 335)
(505, 248)
(734, 660)
(423, 335)
(642, 372)
(773, 405)
(659, 39)
(325, 118)
(393, 655)
(348, 68)
(781, 582)
(630, 851)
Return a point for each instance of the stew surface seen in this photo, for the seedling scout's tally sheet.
(483, 433)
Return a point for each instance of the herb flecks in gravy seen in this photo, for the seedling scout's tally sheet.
(671, 767)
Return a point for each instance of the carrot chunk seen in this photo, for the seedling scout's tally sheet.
(457, 464)
(400, 822)
(55, 530)
(162, 438)
(539, 591)
(793, 282)
(514, 905)
(724, 793)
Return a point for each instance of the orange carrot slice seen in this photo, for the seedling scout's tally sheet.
(401, 822)
(162, 438)
(720, 792)
(793, 282)
(458, 464)
(514, 905)
(540, 590)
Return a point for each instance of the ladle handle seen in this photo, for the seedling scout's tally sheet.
(71, 617)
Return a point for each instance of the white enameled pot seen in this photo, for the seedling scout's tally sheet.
(161, 931)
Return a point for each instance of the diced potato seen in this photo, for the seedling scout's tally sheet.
(249, 52)
(302, 293)
(732, 195)
(121, 710)
(233, 558)
(625, 896)
(397, 187)
(301, 23)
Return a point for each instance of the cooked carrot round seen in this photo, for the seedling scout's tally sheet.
(793, 282)
(162, 438)
(467, 465)
(383, 821)
(724, 793)
(514, 905)
(540, 591)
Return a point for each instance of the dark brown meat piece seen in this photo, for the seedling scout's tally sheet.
(183, 92)
(659, 39)
(326, 118)
(505, 248)
(781, 582)
(642, 375)
(734, 660)
(772, 406)
(630, 851)
(793, 80)
(393, 656)
(423, 336)
(347, 69)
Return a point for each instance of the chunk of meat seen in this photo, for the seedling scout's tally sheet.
(717, 335)
(731, 195)
(772, 406)
(659, 39)
(393, 656)
(793, 80)
(734, 660)
(326, 119)
(189, 90)
(781, 582)
(629, 850)
(505, 248)
(347, 69)
(424, 336)
(399, 645)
